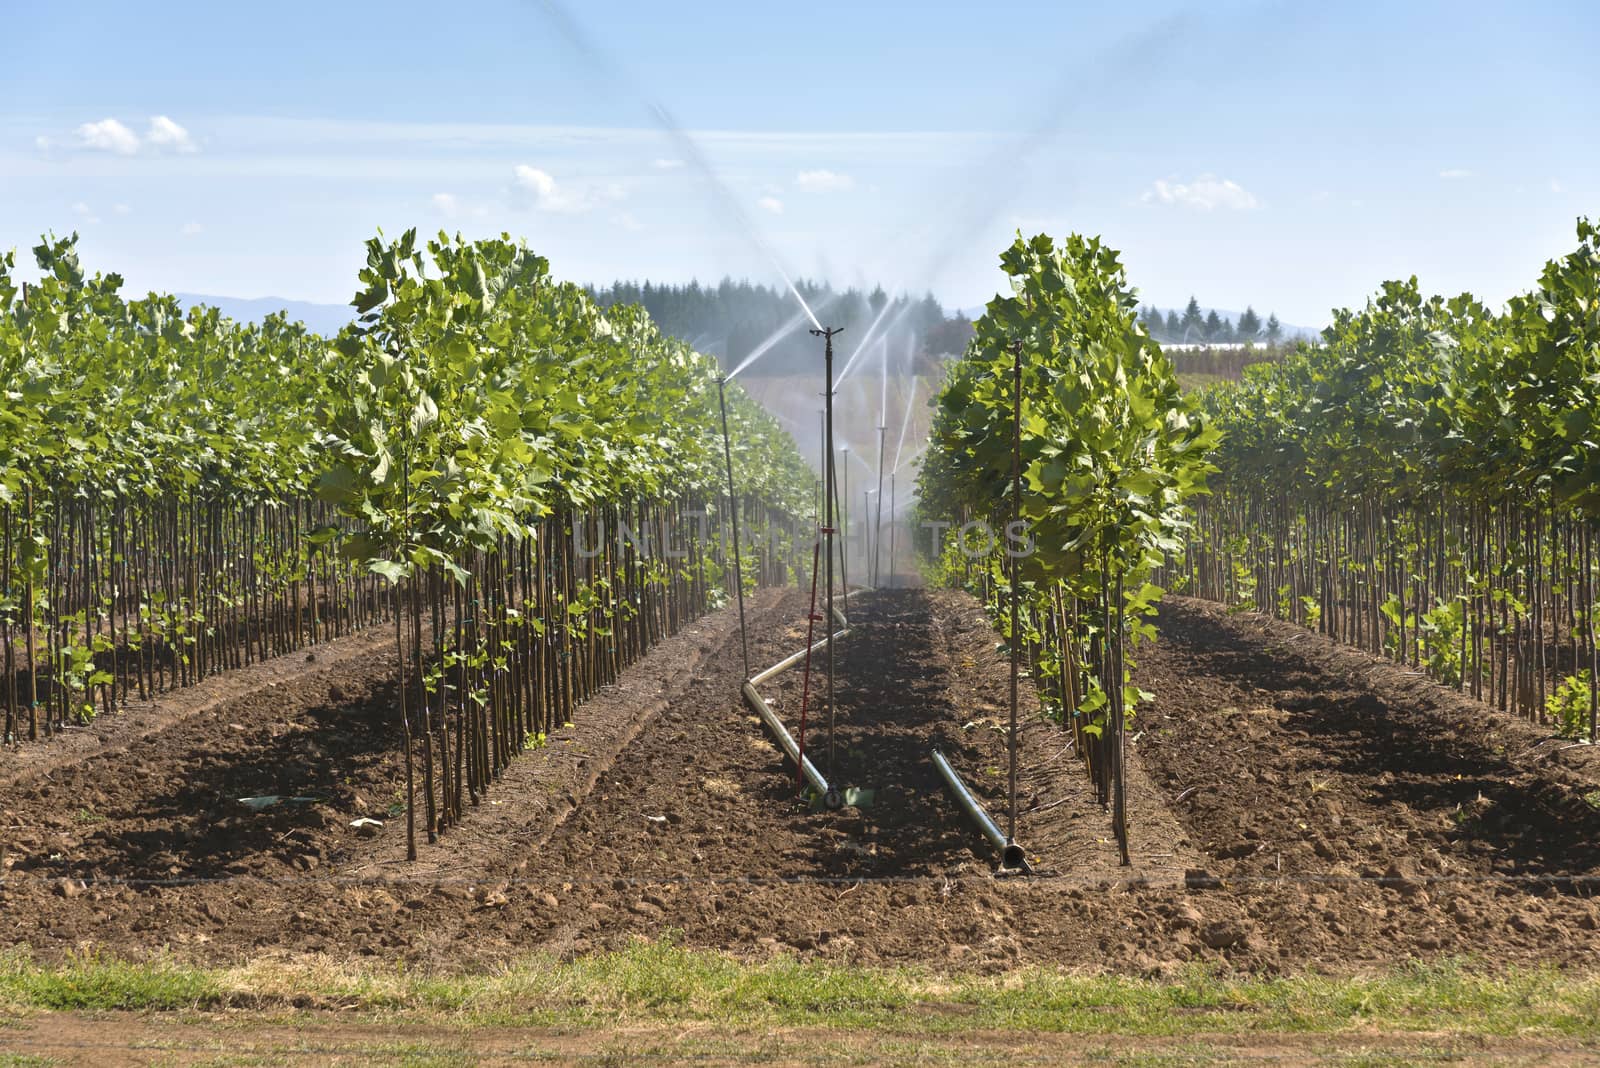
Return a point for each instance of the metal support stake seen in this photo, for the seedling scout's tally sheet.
(827, 504)
(1016, 568)
(877, 534)
(892, 505)
(733, 511)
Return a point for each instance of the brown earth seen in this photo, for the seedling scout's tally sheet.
(1333, 803)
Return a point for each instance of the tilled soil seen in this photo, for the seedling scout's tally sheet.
(702, 830)
(1330, 811)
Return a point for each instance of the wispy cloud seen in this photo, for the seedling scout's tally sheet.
(446, 204)
(191, 229)
(1455, 174)
(667, 164)
(84, 212)
(772, 204)
(1204, 193)
(823, 181)
(1556, 186)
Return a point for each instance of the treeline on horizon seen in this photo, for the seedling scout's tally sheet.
(1194, 327)
(730, 320)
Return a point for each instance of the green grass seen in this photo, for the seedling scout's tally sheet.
(663, 982)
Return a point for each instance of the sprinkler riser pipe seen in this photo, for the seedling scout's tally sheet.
(790, 748)
(1011, 854)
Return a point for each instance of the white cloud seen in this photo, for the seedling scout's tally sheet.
(772, 204)
(667, 164)
(1205, 192)
(164, 133)
(1454, 173)
(108, 135)
(84, 212)
(822, 181)
(541, 188)
(627, 221)
(446, 204)
(1556, 186)
(121, 209)
(190, 229)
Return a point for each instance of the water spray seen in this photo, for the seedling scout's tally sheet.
(772, 339)
(686, 145)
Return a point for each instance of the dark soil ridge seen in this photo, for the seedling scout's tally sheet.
(140, 720)
(1279, 734)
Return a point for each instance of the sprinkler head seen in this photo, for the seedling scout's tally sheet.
(833, 799)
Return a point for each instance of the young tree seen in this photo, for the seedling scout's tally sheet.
(1274, 329)
(1249, 328)
(1174, 327)
(1212, 329)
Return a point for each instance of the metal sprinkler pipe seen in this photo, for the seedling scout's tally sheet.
(794, 658)
(1012, 855)
(831, 797)
(733, 510)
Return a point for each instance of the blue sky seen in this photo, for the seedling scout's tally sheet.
(1276, 154)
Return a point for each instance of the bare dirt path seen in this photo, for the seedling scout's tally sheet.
(321, 1038)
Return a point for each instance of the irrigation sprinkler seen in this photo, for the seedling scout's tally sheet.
(1012, 856)
(827, 336)
(733, 511)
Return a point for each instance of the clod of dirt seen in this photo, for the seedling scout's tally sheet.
(1186, 918)
(726, 789)
(1223, 934)
(1398, 877)
(1200, 879)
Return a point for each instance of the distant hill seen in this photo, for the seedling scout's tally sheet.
(325, 319)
